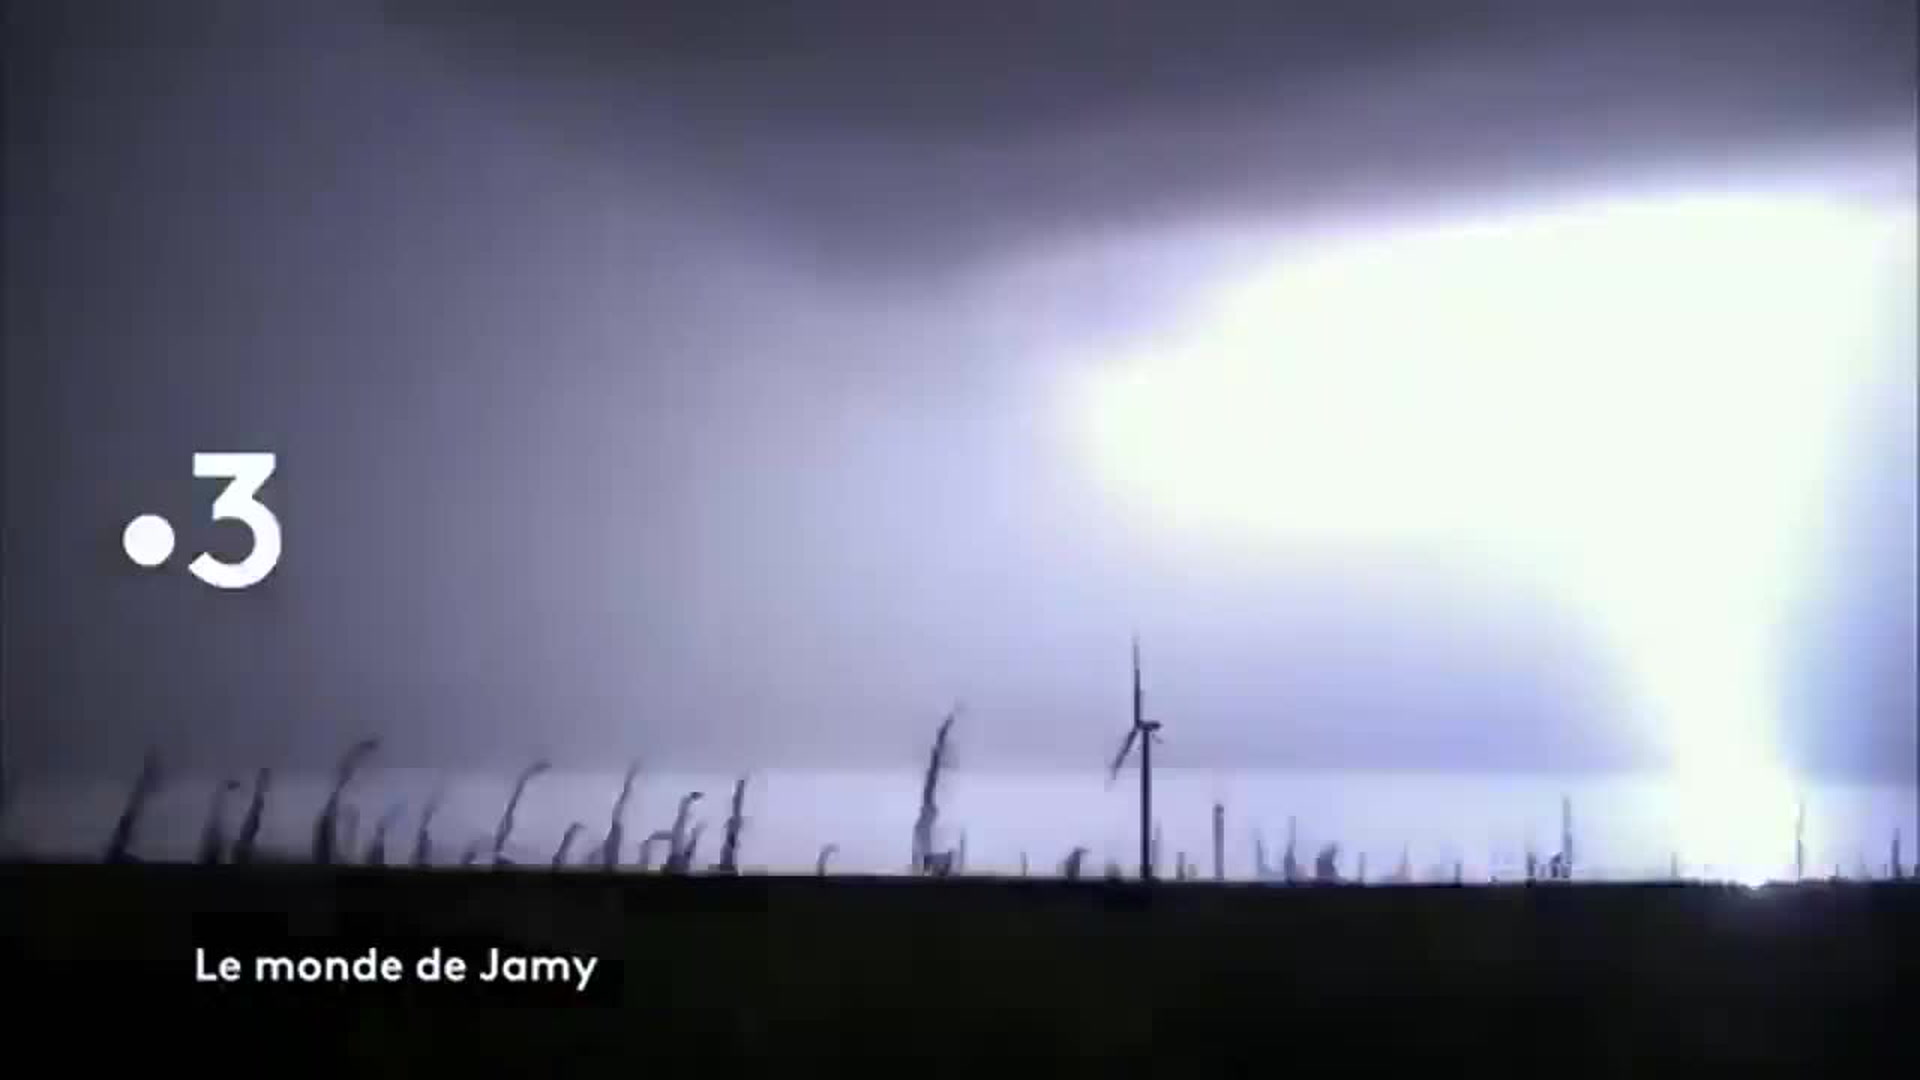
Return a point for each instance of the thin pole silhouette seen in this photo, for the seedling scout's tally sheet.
(1800, 840)
(1219, 842)
(244, 843)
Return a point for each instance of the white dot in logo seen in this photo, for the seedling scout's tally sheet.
(148, 540)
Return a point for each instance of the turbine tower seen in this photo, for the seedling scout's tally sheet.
(1144, 732)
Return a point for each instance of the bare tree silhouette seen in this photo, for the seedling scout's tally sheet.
(561, 853)
(687, 857)
(213, 835)
(1289, 862)
(504, 830)
(924, 861)
(348, 831)
(423, 836)
(377, 848)
(245, 843)
(326, 836)
(736, 820)
(677, 858)
(660, 837)
(1326, 865)
(616, 840)
(1071, 868)
(120, 844)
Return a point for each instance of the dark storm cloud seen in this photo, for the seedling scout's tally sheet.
(937, 131)
(871, 138)
(623, 407)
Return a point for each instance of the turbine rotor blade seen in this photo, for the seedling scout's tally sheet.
(1120, 759)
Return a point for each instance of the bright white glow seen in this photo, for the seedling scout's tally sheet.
(1635, 402)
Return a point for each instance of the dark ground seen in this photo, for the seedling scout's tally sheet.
(697, 971)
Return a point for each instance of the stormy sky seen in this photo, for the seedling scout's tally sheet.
(685, 380)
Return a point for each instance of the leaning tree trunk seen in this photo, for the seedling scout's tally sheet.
(423, 837)
(566, 844)
(1075, 860)
(929, 816)
(245, 843)
(617, 829)
(348, 831)
(646, 848)
(326, 839)
(693, 848)
(736, 819)
(680, 856)
(377, 848)
(213, 835)
(504, 830)
(120, 845)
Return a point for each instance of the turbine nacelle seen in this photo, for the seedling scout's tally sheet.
(1151, 728)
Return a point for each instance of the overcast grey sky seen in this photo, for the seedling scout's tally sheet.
(649, 379)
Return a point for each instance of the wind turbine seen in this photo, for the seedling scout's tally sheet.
(1145, 733)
